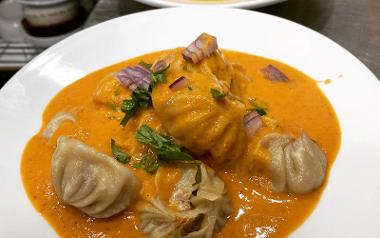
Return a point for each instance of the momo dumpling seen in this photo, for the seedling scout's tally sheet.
(297, 165)
(91, 181)
(203, 208)
(55, 122)
(194, 118)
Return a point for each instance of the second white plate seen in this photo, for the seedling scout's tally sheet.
(218, 3)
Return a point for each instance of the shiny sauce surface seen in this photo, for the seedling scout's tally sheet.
(257, 211)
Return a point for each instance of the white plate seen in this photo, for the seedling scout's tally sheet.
(202, 3)
(350, 205)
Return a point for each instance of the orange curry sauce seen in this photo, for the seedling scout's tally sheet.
(257, 211)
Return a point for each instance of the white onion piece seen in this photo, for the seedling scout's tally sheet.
(202, 47)
(178, 84)
(252, 123)
(54, 123)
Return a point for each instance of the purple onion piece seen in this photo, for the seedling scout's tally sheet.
(202, 47)
(134, 77)
(159, 65)
(178, 84)
(274, 74)
(252, 123)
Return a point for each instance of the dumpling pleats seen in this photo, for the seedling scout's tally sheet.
(91, 181)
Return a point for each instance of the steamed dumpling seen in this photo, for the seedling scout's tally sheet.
(298, 165)
(193, 117)
(91, 181)
(203, 209)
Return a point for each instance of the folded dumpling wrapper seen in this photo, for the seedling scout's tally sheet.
(196, 120)
(92, 181)
(297, 165)
(202, 211)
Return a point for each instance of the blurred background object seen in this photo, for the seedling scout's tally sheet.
(10, 18)
(50, 18)
(352, 24)
(27, 27)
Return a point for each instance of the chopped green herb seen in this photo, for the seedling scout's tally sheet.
(129, 107)
(143, 97)
(216, 94)
(258, 106)
(165, 148)
(140, 99)
(145, 64)
(198, 175)
(158, 77)
(118, 154)
(161, 143)
(111, 105)
(116, 92)
(148, 162)
(261, 111)
(175, 156)
(190, 88)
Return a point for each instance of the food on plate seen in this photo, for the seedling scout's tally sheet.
(189, 142)
(202, 208)
(91, 181)
(198, 119)
(297, 165)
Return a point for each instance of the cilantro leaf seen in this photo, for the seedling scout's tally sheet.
(158, 77)
(141, 98)
(148, 162)
(216, 94)
(145, 64)
(258, 106)
(161, 143)
(261, 111)
(198, 175)
(111, 105)
(166, 151)
(176, 156)
(165, 148)
(129, 107)
(116, 92)
(118, 154)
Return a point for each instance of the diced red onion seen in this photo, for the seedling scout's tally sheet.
(202, 47)
(274, 74)
(159, 66)
(178, 84)
(252, 123)
(134, 76)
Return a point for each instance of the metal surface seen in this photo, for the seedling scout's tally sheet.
(15, 55)
(354, 24)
